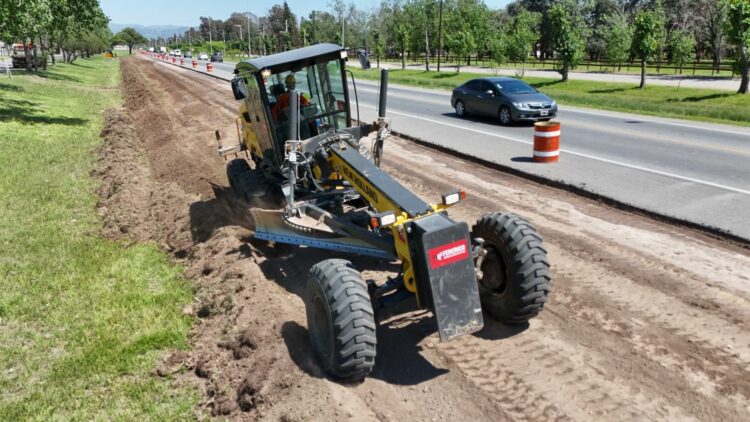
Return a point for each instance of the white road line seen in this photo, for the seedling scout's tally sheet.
(579, 154)
(661, 122)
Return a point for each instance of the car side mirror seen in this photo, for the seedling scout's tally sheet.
(239, 89)
(364, 59)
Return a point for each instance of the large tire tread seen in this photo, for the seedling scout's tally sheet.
(527, 265)
(352, 319)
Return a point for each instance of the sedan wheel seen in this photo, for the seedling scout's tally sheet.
(505, 116)
(460, 109)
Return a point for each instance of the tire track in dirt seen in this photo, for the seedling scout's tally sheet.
(602, 286)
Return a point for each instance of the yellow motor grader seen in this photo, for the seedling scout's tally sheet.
(312, 178)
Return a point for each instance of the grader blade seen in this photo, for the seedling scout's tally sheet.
(270, 225)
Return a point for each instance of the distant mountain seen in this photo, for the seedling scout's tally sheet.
(152, 31)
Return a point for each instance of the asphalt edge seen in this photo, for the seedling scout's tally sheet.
(714, 232)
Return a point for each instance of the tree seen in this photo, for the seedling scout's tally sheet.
(566, 31)
(600, 23)
(648, 37)
(712, 17)
(681, 47)
(738, 33)
(130, 37)
(521, 36)
(618, 38)
(461, 43)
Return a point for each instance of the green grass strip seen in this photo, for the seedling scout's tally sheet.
(704, 105)
(82, 319)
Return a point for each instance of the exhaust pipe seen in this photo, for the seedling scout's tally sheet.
(293, 133)
(383, 94)
(377, 149)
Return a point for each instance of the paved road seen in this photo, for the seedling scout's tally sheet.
(690, 171)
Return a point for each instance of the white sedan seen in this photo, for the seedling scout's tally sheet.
(203, 56)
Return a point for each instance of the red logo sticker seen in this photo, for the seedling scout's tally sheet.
(448, 254)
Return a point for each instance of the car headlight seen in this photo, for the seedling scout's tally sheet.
(554, 103)
(522, 106)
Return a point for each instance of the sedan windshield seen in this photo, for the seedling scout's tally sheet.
(514, 87)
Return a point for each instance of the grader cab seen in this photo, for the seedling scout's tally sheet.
(312, 177)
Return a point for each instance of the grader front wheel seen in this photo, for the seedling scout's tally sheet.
(340, 320)
(515, 279)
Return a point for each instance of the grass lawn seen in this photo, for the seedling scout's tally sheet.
(82, 319)
(684, 103)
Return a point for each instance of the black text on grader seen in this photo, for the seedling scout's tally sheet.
(315, 181)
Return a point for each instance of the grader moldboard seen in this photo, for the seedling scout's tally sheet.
(316, 182)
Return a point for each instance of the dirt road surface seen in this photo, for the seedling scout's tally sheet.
(646, 321)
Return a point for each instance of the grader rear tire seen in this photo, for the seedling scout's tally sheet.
(516, 277)
(340, 320)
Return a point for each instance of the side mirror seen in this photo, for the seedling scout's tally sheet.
(239, 89)
(364, 60)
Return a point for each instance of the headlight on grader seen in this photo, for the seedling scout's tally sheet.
(383, 219)
(453, 197)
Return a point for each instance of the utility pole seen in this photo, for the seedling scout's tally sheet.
(249, 48)
(224, 36)
(313, 27)
(210, 38)
(440, 35)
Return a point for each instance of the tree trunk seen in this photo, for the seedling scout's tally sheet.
(643, 74)
(45, 53)
(36, 60)
(29, 59)
(426, 50)
(403, 59)
(744, 71)
(564, 72)
(130, 49)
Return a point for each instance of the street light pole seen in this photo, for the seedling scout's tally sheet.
(440, 36)
(249, 48)
(210, 38)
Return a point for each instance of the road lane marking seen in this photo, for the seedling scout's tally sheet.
(651, 120)
(579, 154)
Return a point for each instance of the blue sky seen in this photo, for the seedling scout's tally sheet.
(187, 12)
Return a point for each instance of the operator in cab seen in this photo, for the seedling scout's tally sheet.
(283, 100)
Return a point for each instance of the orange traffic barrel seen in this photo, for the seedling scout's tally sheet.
(174, 60)
(209, 67)
(195, 64)
(546, 142)
(182, 62)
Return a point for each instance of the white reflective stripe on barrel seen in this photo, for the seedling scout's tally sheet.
(547, 134)
(546, 153)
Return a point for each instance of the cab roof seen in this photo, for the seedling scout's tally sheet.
(287, 60)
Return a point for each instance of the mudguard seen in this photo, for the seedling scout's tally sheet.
(446, 278)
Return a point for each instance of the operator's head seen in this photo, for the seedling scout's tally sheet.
(290, 82)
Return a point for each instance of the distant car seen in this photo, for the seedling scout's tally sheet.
(217, 57)
(151, 49)
(171, 53)
(178, 53)
(203, 56)
(508, 99)
(188, 55)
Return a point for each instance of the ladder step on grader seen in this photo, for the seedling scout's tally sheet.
(312, 178)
